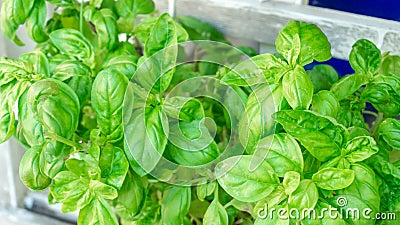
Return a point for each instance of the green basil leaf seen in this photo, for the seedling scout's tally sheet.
(256, 70)
(12, 66)
(319, 135)
(390, 64)
(143, 29)
(131, 196)
(257, 121)
(103, 190)
(71, 190)
(72, 43)
(125, 64)
(183, 108)
(29, 130)
(146, 137)
(215, 214)
(291, 182)
(200, 30)
(7, 119)
(383, 98)
(83, 165)
(78, 76)
(389, 131)
(365, 57)
(105, 24)
(360, 148)
(323, 77)
(108, 94)
(392, 80)
(163, 34)
(205, 190)
(191, 144)
(175, 205)
(52, 157)
(55, 105)
(35, 23)
(314, 45)
(134, 7)
(98, 212)
(14, 13)
(364, 186)
(282, 152)
(325, 103)
(30, 170)
(237, 180)
(297, 88)
(113, 165)
(38, 60)
(333, 178)
(304, 197)
(348, 85)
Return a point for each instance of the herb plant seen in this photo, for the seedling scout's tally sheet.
(131, 117)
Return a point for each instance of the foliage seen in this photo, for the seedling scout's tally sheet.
(122, 123)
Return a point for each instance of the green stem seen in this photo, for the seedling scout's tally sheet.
(81, 18)
(375, 126)
(62, 140)
(370, 113)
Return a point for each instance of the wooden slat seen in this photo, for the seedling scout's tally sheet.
(261, 21)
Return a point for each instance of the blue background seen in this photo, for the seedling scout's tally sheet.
(386, 9)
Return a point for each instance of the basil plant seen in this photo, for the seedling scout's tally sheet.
(129, 116)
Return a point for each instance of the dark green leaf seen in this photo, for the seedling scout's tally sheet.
(365, 58)
(319, 135)
(323, 76)
(389, 131)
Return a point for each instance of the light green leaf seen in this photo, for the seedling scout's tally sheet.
(215, 214)
(314, 45)
(291, 182)
(325, 103)
(297, 88)
(237, 180)
(98, 212)
(305, 196)
(360, 148)
(282, 152)
(113, 165)
(175, 205)
(333, 178)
